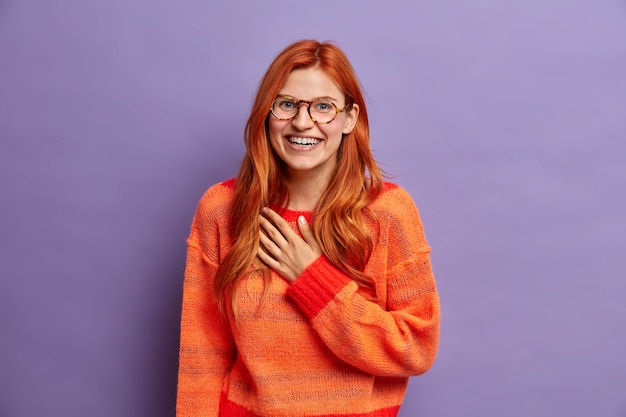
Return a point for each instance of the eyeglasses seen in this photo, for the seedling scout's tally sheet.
(321, 110)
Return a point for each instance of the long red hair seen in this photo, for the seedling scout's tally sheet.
(340, 215)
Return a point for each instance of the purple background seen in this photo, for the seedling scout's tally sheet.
(505, 120)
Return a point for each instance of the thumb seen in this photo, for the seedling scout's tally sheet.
(305, 229)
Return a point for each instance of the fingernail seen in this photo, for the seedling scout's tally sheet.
(301, 220)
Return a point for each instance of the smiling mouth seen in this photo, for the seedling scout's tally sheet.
(303, 141)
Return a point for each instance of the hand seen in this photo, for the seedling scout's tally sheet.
(282, 249)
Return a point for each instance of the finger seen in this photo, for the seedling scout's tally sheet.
(272, 231)
(306, 231)
(267, 259)
(280, 223)
(269, 245)
(307, 234)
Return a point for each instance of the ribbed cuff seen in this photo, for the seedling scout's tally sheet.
(317, 286)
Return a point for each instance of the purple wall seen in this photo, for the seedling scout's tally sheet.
(505, 120)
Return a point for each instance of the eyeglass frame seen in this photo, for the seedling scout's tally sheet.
(308, 108)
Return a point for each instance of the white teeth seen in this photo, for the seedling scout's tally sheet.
(304, 141)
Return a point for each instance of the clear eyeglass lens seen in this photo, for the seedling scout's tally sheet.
(322, 111)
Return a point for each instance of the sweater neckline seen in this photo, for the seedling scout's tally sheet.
(292, 215)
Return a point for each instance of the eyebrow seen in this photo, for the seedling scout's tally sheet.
(314, 99)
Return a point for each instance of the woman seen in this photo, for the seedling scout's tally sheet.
(308, 289)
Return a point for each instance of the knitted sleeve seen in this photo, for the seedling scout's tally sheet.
(206, 344)
(397, 341)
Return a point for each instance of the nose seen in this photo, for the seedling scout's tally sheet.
(303, 120)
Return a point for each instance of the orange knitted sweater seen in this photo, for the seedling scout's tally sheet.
(318, 347)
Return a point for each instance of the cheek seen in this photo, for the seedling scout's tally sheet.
(332, 132)
(273, 135)
(275, 129)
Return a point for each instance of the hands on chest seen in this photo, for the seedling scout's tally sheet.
(282, 249)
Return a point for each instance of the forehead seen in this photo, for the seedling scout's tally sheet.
(310, 83)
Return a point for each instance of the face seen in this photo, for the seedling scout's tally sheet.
(308, 148)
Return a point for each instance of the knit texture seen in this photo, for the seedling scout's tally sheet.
(318, 347)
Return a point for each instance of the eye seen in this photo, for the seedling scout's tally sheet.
(286, 104)
(323, 106)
